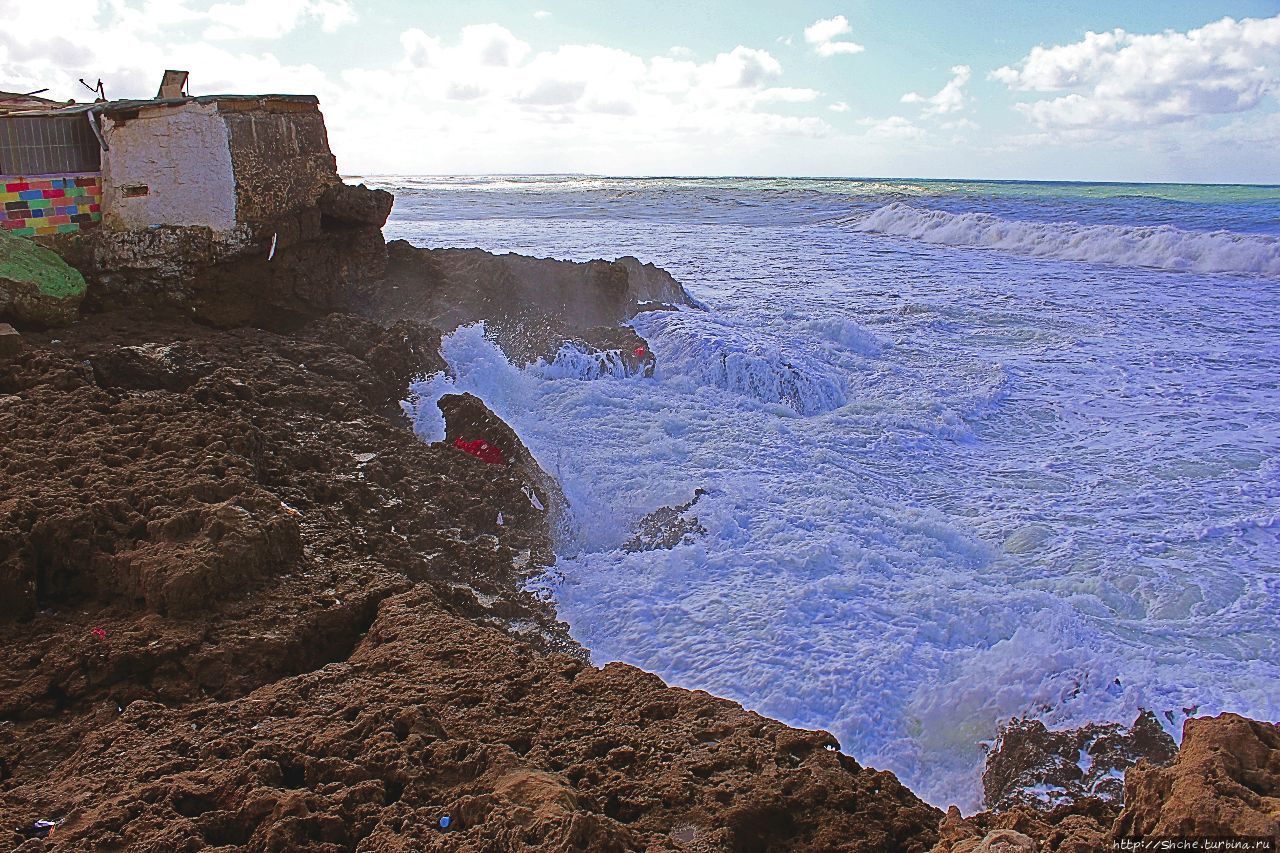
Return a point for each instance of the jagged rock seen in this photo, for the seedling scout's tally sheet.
(150, 367)
(1037, 768)
(356, 205)
(10, 341)
(1225, 781)
(38, 289)
(467, 419)
(529, 305)
(651, 285)
(666, 527)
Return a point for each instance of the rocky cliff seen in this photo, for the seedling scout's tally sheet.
(243, 607)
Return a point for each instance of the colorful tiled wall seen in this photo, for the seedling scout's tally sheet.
(49, 204)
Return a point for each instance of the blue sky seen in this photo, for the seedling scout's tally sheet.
(1177, 91)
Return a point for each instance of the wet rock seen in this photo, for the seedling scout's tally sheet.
(1225, 781)
(38, 289)
(667, 527)
(1040, 769)
(529, 305)
(358, 205)
(468, 419)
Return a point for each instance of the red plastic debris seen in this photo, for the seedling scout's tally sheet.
(640, 351)
(100, 633)
(482, 450)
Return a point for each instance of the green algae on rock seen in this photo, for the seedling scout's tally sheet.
(37, 287)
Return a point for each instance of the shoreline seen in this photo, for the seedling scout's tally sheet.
(308, 646)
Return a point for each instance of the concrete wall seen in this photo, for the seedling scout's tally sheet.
(168, 165)
(281, 157)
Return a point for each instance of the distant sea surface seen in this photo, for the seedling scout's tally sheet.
(975, 450)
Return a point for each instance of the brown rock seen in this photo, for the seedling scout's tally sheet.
(1225, 781)
(10, 341)
(1086, 762)
(348, 698)
(1000, 841)
(529, 305)
(356, 205)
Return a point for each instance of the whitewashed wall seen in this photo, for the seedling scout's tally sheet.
(182, 155)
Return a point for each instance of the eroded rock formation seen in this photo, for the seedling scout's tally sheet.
(1225, 781)
(1035, 767)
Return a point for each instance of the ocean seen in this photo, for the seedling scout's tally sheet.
(973, 450)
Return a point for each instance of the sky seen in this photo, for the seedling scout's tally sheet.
(1111, 90)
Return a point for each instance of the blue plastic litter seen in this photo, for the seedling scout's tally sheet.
(444, 822)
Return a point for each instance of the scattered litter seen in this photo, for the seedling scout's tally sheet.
(533, 499)
(481, 449)
(271, 254)
(640, 352)
(39, 829)
(444, 822)
(290, 510)
(100, 633)
(501, 520)
(365, 457)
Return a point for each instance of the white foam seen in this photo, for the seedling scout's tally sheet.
(572, 361)
(1161, 246)
(1016, 493)
(711, 350)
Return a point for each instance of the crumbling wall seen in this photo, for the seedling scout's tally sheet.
(280, 155)
(168, 165)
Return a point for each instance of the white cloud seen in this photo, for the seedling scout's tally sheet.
(893, 127)
(271, 19)
(822, 35)
(949, 99)
(839, 107)
(1121, 79)
(493, 44)
(743, 67)
(787, 95)
(541, 14)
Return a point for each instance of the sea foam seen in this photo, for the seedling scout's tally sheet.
(1157, 246)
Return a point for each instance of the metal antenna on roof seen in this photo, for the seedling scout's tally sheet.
(97, 90)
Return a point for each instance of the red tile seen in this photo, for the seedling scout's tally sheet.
(95, 208)
(10, 224)
(54, 193)
(17, 187)
(57, 220)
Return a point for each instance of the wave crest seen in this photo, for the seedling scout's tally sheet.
(714, 352)
(1161, 247)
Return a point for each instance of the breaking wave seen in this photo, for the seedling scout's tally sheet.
(1158, 246)
(713, 351)
(572, 361)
